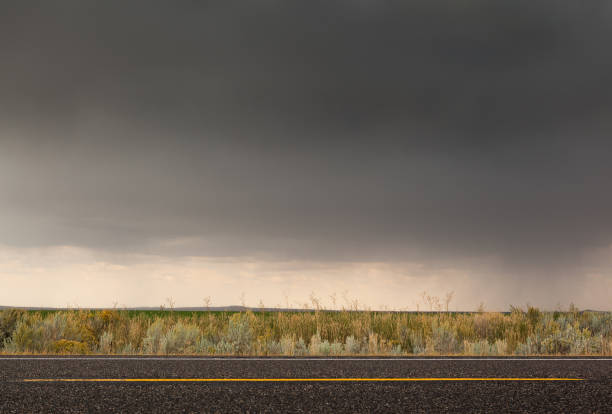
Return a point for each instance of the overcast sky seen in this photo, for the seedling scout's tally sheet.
(277, 148)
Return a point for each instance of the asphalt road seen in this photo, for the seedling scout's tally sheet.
(324, 385)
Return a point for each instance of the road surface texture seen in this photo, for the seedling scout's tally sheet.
(98, 384)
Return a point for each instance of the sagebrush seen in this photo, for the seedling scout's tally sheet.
(316, 333)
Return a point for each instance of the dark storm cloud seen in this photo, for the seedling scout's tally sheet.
(351, 130)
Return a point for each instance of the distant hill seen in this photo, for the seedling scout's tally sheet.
(181, 309)
(242, 309)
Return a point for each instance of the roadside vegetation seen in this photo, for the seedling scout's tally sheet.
(312, 333)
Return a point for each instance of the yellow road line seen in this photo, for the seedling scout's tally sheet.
(285, 379)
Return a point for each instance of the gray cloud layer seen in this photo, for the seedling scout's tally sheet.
(328, 130)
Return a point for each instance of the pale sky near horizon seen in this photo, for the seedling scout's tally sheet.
(368, 149)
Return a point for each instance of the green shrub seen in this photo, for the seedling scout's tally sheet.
(155, 337)
(35, 334)
(397, 350)
(224, 348)
(325, 348)
(352, 346)
(336, 349)
(274, 348)
(8, 323)
(204, 346)
(106, 343)
(443, 340)
(180, 339)
(240, 332)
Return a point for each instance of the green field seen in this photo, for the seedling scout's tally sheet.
(518, 332)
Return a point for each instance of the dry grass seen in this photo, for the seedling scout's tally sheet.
(320, 332)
